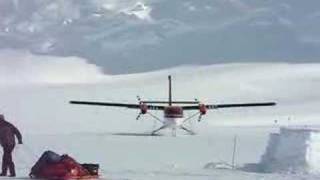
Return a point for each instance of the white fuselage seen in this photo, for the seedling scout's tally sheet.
(173, 122)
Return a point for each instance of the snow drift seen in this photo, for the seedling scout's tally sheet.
(22, 67)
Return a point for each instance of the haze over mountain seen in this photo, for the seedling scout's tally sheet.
(125, 36)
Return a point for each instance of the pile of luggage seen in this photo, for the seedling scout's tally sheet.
(53, 166)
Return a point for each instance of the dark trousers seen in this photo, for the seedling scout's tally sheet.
(7, 162)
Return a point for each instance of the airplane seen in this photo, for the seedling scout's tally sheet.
(173, 110)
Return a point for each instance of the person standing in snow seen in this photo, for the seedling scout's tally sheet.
(7, 141)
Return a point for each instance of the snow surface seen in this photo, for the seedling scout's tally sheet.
(34, 93)
(97, 134)
(160, 157)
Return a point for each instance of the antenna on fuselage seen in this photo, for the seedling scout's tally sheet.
(170, 91)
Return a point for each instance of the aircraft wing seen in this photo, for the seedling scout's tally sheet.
(132, 106)
(218, 106)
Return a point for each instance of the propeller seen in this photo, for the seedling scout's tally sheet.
(139, 100)
(139, 115)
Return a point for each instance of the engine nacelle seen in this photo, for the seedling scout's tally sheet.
(202, 109)
(143, 108)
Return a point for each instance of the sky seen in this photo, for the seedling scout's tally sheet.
(130, 36)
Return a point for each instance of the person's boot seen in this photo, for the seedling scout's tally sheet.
(12, 170)
(4, 172)
(4, 169)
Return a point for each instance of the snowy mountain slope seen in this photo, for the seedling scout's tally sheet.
(134, 36)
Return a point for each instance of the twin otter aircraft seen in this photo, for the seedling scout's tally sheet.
(173, 110)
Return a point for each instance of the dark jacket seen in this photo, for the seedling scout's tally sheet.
(8, 133)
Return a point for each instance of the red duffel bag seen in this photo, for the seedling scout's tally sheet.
(64, 169)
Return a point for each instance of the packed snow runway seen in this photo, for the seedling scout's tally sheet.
(158, 157)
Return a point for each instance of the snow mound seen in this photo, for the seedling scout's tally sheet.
(293, 150)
